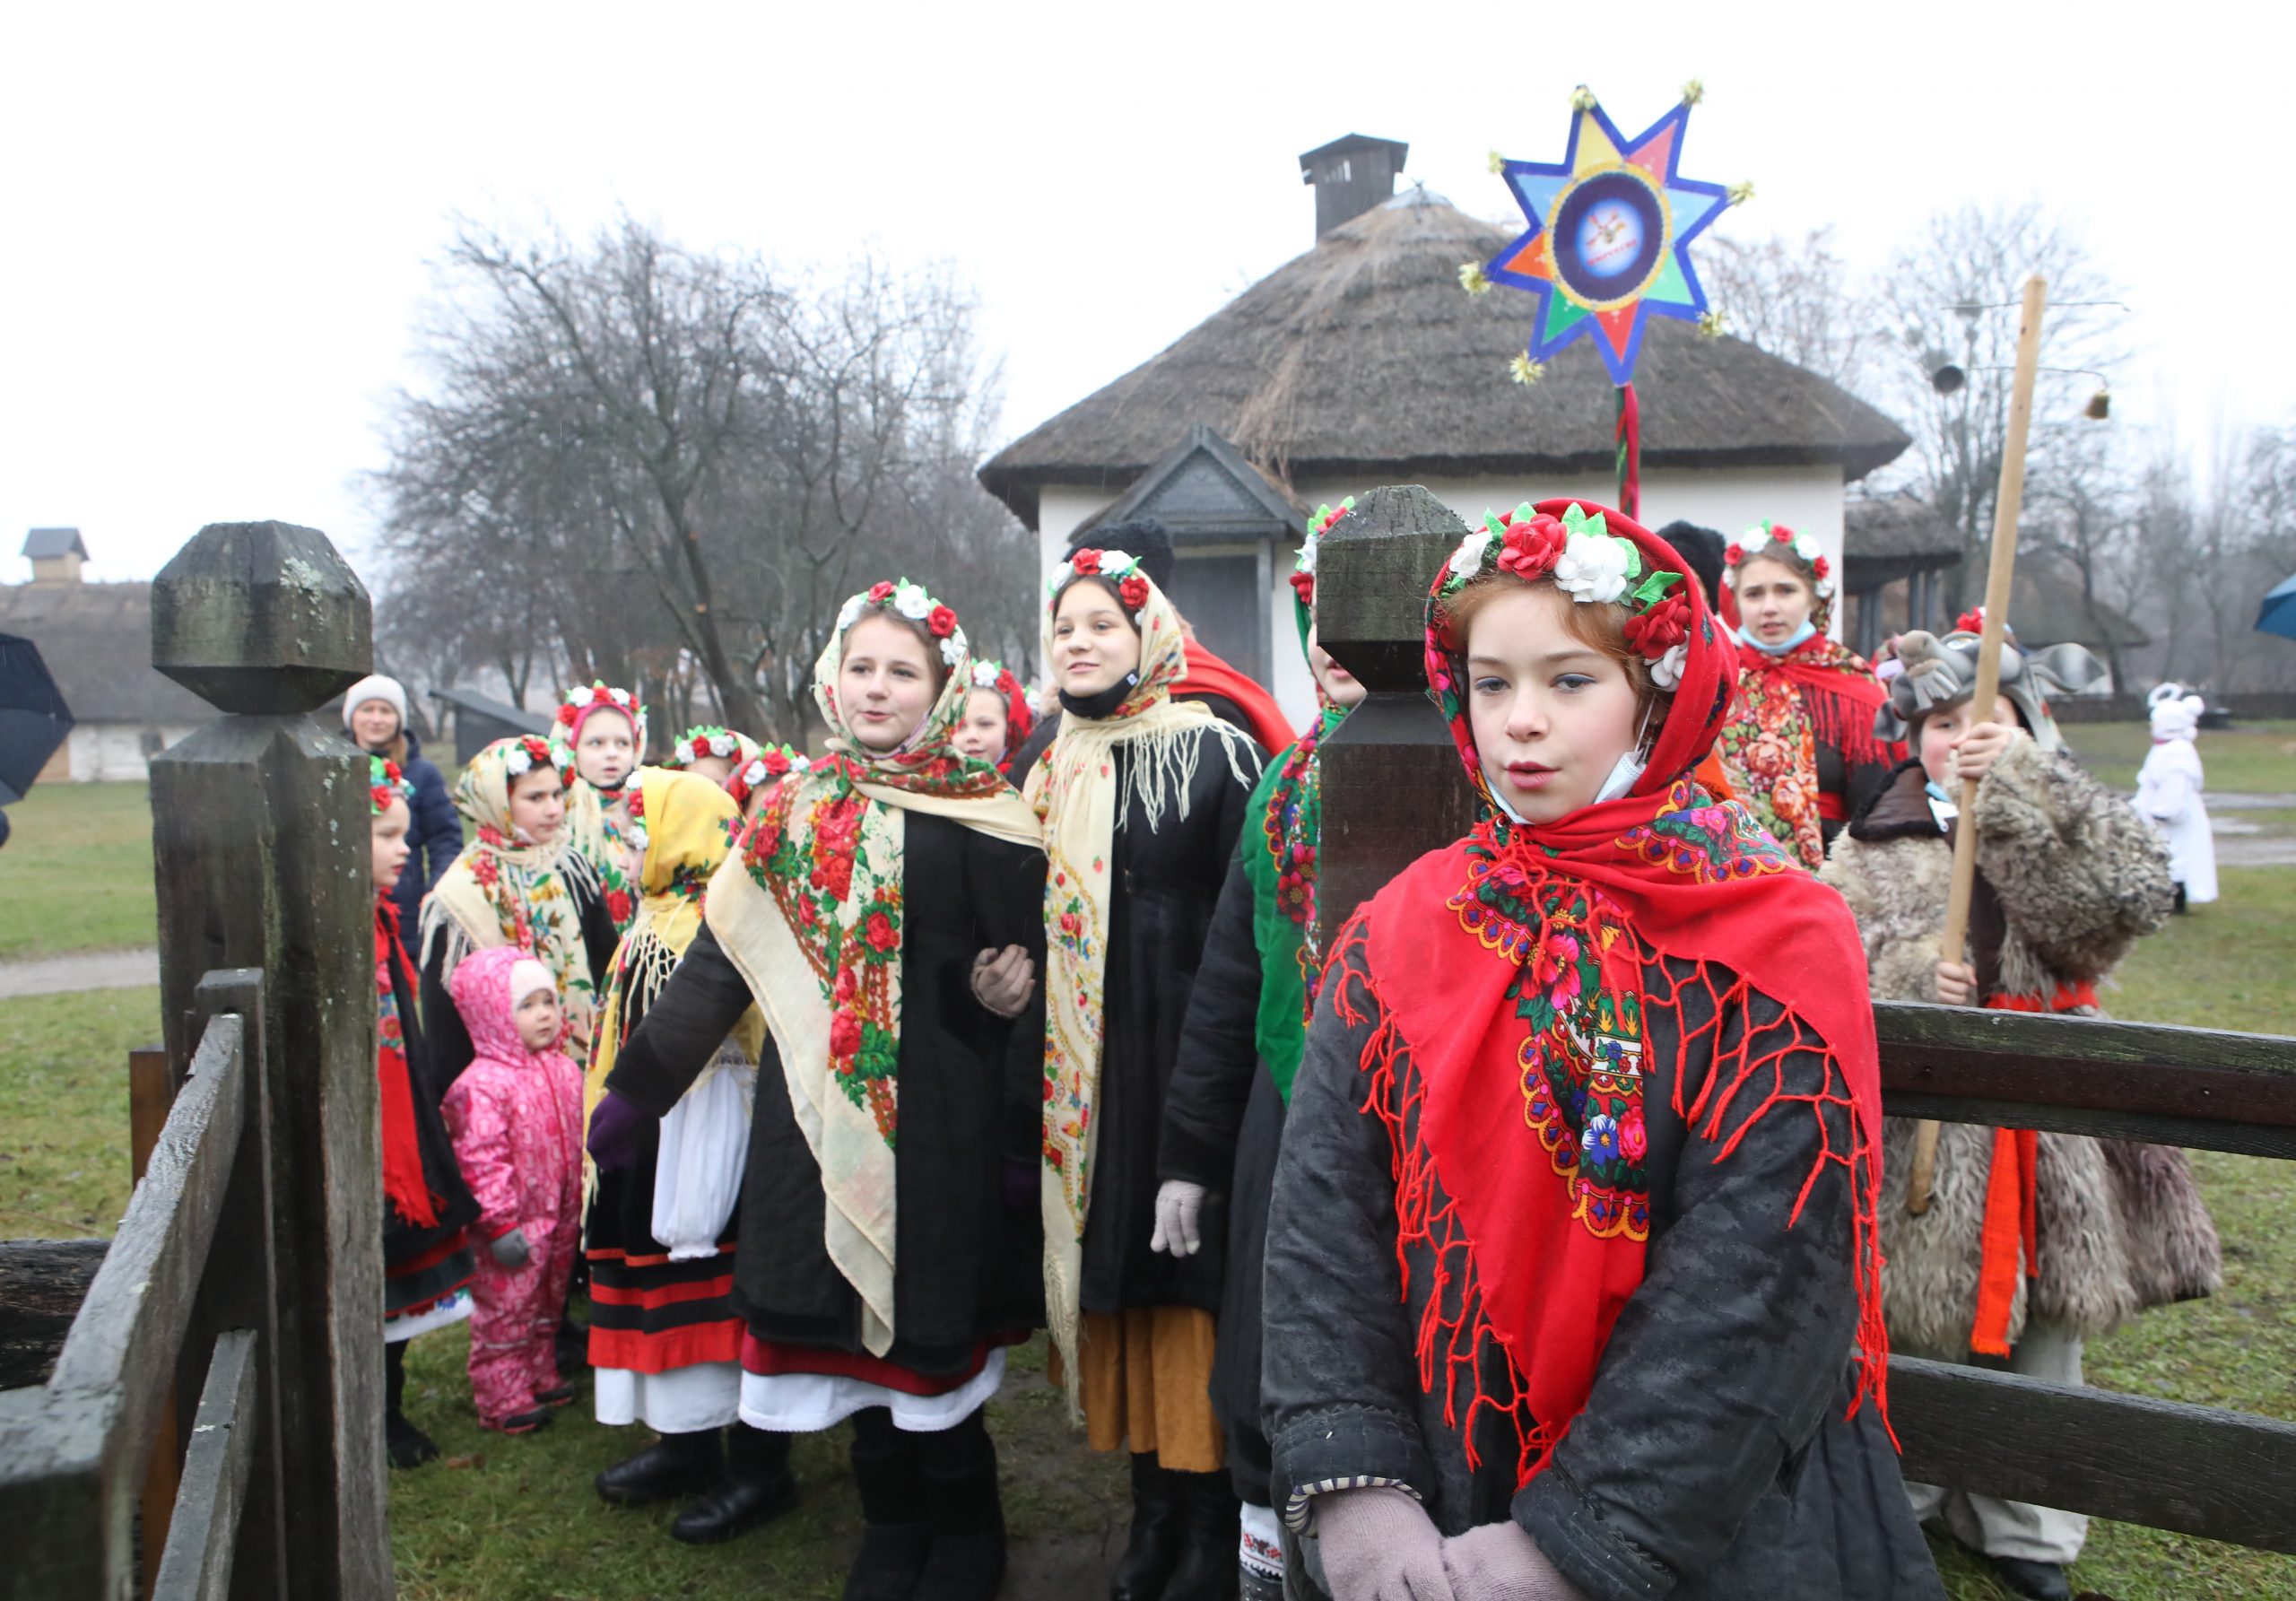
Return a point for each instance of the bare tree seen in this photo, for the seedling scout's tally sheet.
(676, 465)
(1794, 298)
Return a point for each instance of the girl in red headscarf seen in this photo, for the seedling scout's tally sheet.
(1800, 750)
(1572, 1287)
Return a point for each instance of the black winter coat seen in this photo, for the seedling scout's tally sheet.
(1164, 883)
(1047, 729)
(434, 833)
(967, 1266)
(450, 1047)
(1714, 1458)
(1223, 1124)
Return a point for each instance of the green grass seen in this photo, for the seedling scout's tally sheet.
(2253, 757)
(63, 1172)
(76, 872)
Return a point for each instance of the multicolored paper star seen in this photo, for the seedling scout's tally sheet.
(1609, 241)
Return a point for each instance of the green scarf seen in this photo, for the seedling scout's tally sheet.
(1285, 822)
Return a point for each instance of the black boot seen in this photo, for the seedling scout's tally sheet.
(2043, 1581)
(1211, 1529)
(675, 1464)
(967, 1556)
(2183, 904)
(1154, 1547)
(408, 1446)
(758, 1487)
(897, 1537)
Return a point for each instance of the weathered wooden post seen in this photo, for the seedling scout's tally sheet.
(259, 835)
(1392, 785)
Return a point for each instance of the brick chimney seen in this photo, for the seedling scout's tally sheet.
(1352, 175)
(55, 554)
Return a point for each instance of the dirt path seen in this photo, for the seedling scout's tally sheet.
(89, 970)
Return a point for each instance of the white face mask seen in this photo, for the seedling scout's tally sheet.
(1629, 766)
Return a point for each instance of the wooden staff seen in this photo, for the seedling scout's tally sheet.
(2006, 504)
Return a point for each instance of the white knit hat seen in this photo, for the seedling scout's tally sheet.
(375, 687)
(527, 976)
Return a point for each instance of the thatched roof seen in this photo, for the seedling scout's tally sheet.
(1900, 529)
(96, 640)
(2046, 607)
(1364, 360)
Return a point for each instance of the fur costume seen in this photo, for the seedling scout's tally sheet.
(2069, 878)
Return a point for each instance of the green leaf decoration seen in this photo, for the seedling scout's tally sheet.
(1653, 588)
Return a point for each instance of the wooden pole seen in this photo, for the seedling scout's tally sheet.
(151, 1095)
(2007, 505)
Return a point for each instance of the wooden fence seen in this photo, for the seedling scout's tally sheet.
(1391, 791)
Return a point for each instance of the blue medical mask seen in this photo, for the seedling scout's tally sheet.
(1809, 629)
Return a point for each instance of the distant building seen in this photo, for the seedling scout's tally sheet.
(96, 640)
(1364, 362)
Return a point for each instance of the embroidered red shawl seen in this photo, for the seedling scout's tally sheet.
(1512, 964)
(403, 1185)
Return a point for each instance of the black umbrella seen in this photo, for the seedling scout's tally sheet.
(33, 718)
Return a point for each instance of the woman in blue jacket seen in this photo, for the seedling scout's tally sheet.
(374, 714)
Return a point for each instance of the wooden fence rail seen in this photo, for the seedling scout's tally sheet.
(74, 1450)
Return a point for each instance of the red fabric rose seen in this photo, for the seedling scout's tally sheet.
(1531, 549)
(776, 763)
(1661, 628)
(566, 716)
(844, 1036)
(1733, 554)
(1084, 561)
(1781, 532)
(1971, 621)
(1134, 592)
(1820, 567)
(942, 622)
(1303, 584)
(618, 905)
(879, 591)
(882, 934)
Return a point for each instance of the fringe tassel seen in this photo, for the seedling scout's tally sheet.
(1163, 764)
(1838, 720)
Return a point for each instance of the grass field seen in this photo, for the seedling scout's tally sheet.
(76, 872)
(516, 1520)
(2253, 757)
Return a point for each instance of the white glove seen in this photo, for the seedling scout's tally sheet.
(1177, 1203)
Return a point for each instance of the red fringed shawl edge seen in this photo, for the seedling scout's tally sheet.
(1449, 1347)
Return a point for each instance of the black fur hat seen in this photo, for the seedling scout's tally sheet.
(1143, 536)
(1701, 552)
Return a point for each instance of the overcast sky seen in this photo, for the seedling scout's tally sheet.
(220, 219)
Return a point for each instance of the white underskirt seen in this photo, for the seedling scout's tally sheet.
(680, 1401)
(454, 1308)
(808, 1403)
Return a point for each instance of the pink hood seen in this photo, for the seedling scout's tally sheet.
(482, 991)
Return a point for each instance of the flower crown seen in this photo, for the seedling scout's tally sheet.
(1800, 552)
(700, 741)
(633, 832)
(997, 677)
(1303, 572)
(1132, 584)
(532, 750)
(1591, 565)
(905, 599)
(769, 764)
(385, 784)
(599, 695)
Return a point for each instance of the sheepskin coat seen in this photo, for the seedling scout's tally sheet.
(2069, 878)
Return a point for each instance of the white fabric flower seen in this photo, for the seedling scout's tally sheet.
(1593, 567)
(635, 837)
(952, 650)
(984, 675)
(1825, 588)
(849, 614)
(1468, 557)
(518, 763)
(580, 696)
(912, 601)
(1807, 548)
(1118, 561)
(1666, 671)
(755, 773)
(798, 764)
(721, 744)
(1307, 563)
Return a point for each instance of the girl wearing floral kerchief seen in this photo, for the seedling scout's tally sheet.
(1572, 1287)
(714, 753)
(998, 716)
(751, 785)
(1224, 1120)
(427, 1208)
(516, 882)
(880, 912)
(1801, 750)
(599, 737)
(1143, 799)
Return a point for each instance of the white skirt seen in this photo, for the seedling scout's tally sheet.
(808, 1403)
(704, 1395)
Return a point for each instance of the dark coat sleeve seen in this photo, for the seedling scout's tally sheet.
(683, 1029)
(600, 938)
(437, 830)
(1720, 1367)
(446, 1041)
(1007, 886)
(1204, 1110)
(1340, 1384)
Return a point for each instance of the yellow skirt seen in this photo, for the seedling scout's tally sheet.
(1147, 1381)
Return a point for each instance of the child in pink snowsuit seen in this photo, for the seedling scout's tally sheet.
(515, 1116)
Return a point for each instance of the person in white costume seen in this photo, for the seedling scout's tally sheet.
(2168, 792)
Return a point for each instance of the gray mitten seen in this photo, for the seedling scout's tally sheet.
(1500, 1562)
(1379, 1544)
(511, 1250)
